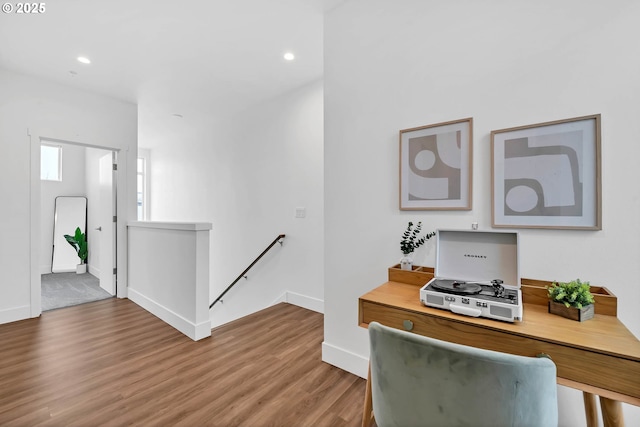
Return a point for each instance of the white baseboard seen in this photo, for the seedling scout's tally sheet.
(194, 331)
(310, 303)
(14, 314)
(345, 360)
(95, 271)
(46, 269)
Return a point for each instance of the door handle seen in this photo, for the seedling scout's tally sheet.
(99, 228)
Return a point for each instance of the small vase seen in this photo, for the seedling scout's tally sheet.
(406, 262)
(81, 268)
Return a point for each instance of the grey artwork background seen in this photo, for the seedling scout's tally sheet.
(543, 175)
(441, 178)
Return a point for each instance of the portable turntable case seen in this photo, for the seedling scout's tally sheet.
(476, 257)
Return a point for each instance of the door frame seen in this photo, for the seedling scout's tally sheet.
(113, 204)
(35, 141)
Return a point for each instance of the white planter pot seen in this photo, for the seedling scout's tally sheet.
(406, 263)
(81, 268)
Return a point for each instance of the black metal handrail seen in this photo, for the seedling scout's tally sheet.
(276, 240)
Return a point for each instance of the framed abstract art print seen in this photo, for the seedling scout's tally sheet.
(547, 175)
(435, 166)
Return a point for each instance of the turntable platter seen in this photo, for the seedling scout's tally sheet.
(457, 287)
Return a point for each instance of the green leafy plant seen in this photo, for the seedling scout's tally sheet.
(572, 294)
(410, 240)
(79, 243)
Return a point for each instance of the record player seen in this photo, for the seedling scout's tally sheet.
(476, 274)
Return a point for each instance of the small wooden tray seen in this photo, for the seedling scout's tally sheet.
(417, 276)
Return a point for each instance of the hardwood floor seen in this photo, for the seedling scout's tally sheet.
(112, 363)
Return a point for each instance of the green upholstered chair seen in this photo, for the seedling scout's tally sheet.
(421, 381)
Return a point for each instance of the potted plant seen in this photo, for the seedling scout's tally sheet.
(410, 242)
(571, 299)
(79, 243)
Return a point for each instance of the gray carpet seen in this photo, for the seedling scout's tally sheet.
(67, 289)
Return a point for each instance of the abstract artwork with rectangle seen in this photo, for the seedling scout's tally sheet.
(547, 175)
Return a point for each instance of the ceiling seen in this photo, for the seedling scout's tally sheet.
(214, 56)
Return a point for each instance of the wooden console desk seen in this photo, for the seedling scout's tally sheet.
(599, 356)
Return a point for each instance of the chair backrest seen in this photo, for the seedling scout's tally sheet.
(420, 381)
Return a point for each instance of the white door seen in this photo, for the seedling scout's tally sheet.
(106, 213)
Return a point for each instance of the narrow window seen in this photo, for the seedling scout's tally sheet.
(143, 185)
(50, 162)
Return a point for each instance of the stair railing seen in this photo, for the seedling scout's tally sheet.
(278, 239)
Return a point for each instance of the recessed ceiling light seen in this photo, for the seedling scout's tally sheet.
(84, 60)
(289, 56)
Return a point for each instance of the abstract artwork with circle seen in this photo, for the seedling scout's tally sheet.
(435, 166)
(547, 175)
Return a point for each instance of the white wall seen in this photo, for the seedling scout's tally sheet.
(73, 184)
(31, 109)
(395, 65)
(246, 175)
(169, 273)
